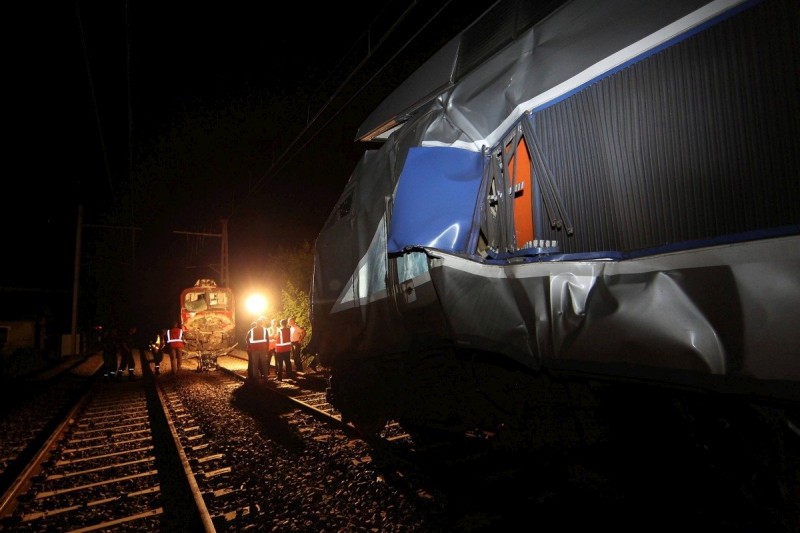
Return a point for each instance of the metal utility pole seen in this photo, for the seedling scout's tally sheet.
(76, 277)
(223, 261)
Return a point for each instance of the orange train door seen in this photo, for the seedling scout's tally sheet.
(519, 170)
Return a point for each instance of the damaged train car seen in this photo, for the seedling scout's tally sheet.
(208, 319)
(584, 219)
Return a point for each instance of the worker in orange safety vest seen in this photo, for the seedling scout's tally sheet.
(175, 345)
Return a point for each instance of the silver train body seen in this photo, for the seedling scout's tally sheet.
(576, 213)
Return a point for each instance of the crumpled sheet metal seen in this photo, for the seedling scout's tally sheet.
(726, 311)
(213, 333)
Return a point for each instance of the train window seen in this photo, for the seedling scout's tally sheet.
(373, 271)
(411, 265)
(219, 299)
(369, 281)
(195, 302)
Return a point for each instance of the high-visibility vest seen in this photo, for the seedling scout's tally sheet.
(253, 341)
(170, 334)
(284, 341)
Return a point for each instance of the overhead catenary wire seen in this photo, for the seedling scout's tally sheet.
(391, 18)
(101, 135)
(295, 146)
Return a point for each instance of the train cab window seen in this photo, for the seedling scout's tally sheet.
(195, 302)
(411, 265)
(369, 280)
(372, 274)
(223, 299)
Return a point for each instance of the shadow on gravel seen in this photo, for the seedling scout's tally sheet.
(270, 413)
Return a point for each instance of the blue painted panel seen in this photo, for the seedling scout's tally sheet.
(435, 200)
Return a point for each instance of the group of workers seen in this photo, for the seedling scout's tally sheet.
(168, 341)
(281, 341)
(118, 350)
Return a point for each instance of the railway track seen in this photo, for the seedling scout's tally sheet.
(36, 405)
(103, 468)
(398, 454)
(133, 456)
(479, 480)
(309, 392)
(209, 452)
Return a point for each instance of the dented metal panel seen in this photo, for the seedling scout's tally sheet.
(723, 310)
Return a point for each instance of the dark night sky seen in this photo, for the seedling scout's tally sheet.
(171, 116)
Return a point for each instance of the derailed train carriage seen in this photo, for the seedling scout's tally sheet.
(584, 224)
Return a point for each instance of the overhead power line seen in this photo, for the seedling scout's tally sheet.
(312, 125)
(96, 110)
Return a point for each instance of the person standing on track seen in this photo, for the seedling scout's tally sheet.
(157, 347)
(283, 350)
(251, 362)
(126, 350)
(298, 334)
(258, 345)
(110, 353)
(175, 345)
(272, 330)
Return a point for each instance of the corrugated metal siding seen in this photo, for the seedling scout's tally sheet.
(699, 140)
